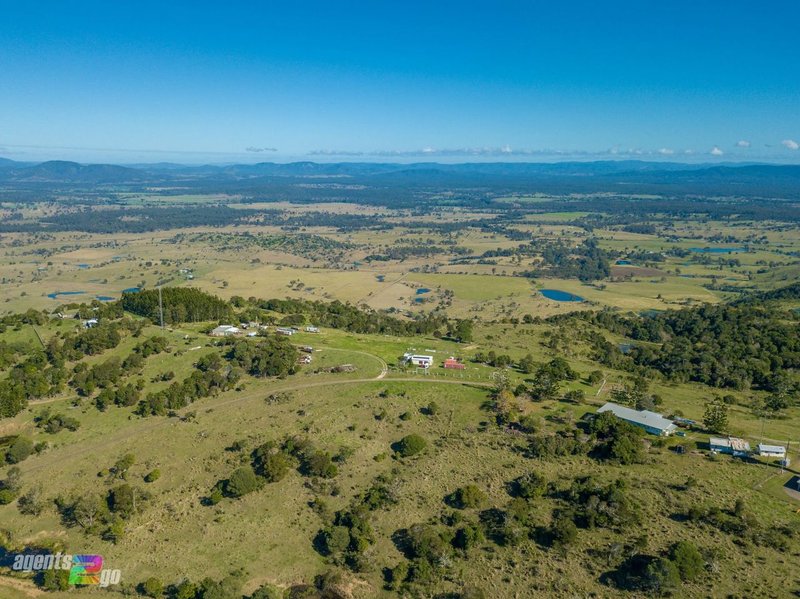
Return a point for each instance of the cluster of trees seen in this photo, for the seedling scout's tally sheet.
(180, 304)
(54, 423)
(132, 220)
(211, 376)
(100, 514)
(86, 379)
(33, 378)
(742, 523)
(270, 462)
(749, 344)
(89, 342)
(616, 440)
(401, 252)
(338, 315)
(637, 395)
(586, 262)
(346, 534)
(8, 355)
(659, 575)
(122, 395)
(273, 356)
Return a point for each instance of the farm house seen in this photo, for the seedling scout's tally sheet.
(420, 361)
(224, 330)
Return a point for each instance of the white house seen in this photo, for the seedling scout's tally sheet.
(285, 331)
(772, 451)
(421, 361)
(312, 329)
(92, 322)
(225, 330)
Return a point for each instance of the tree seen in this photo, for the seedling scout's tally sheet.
(152, 587)
(595, 376)
(411, 445)
(122, 500)
(270, 463)
(242, 481)
(662, 575)
(529, 485)
(575, 396)
(319, 463)
(715, 418)
(267, 591)
(32, 503)
(462, 331)
(152, 476)
(468, 496)
(20, 449)
(53, 580)
(527, 364)
(563, 532)
(687, 559)
(122, 465)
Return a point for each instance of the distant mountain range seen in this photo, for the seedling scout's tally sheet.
(624, 176)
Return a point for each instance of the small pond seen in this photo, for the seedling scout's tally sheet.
(560, 296)
(55, 294)
(708, 250)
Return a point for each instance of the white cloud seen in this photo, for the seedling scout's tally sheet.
(666, 152)
(742, 143)
(791, 144)
(255, 149)
(715, 151)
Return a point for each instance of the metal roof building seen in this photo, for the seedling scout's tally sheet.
(733, 445)
(774, 451)
(653, 423)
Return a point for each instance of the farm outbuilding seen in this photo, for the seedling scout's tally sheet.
(732, 445)
(653, 423)
(454, 364)
(772, 451)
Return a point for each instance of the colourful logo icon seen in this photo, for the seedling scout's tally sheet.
(86, 569)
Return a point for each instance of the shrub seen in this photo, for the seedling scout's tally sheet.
(20, 449)
(152, 476)
(241, 482)
(529, 485)
(152, 587)
(320, 464)
(662, 575)
(411, 445)
(687, 559)
(267, 591)
(468, 496)
(563, 532)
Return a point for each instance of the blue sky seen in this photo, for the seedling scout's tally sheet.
(377, 80)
